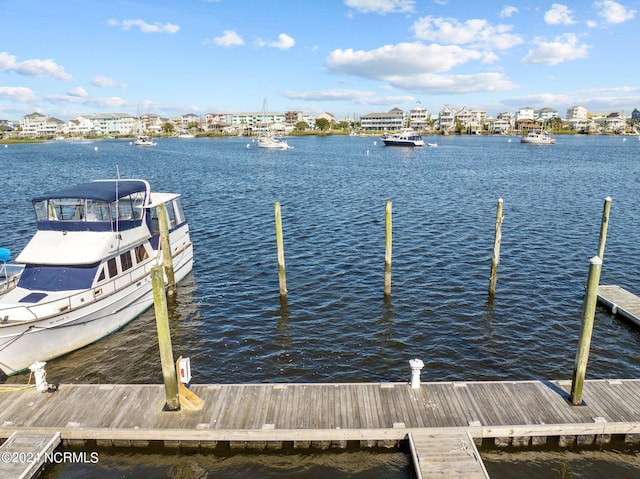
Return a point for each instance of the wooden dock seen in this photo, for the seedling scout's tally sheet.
(328, 415)
(621, 302)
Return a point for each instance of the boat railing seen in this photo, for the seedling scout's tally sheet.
(9, 276)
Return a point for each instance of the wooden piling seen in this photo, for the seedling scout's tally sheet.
(164, 339)
(167, 259)
(603, 227)
(282, 274)
(588, 314)
(387, 254)
(495, 260)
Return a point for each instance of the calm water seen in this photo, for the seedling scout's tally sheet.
(335, 325)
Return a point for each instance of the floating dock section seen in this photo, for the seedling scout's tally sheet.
(25, 453)
(263, 416)
(621, 302)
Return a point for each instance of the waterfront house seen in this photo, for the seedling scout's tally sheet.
(118, 124)
(37, 125)
(525, 113)
(392, 120)
(612, 123)
(546, 114)
(419, 118)
(577, 113)
(447, 119)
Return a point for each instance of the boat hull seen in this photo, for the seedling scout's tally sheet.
(26, 342)
(403, 143)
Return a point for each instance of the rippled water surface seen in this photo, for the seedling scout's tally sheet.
(336, 325)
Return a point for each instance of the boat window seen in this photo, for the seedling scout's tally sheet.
(138, 202)
(171, 214)
(177, 206)
(113, 267)
(43, 213)
(122, 209)
(128, 207)
(71, 209)
(57, 278)
(125, 261)
(97, 211)
(141, 254)
(102, 276)
(66, 209)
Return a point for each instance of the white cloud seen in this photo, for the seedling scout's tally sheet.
(19, 94)
(418, 67)
(403, 59)
(452, 84)
(229, 38)
(611, 90)
(477, 33)
(144, 26)
(284, 42)
(78, 92)
(96, 102)
(34, 68)
(508, 10)
(613, 12)
(559, 15)
(561, 49)
(105, 82)
(381, 6)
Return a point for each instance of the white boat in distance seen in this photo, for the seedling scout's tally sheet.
(537, 137)
(144, 141)
(87, 270)
(273, 143)
(265, 137)
(406, 137)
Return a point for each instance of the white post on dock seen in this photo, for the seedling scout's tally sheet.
(163, 223)
(588, 315)
(416, 367)
(164, 339)
(282, 274)
(40, 374)
(603, 227)
(495, 260)
(387, 253)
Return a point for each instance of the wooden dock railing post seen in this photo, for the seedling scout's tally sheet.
(282, 275)
(603, 226)
(164, 339)
(167, 260)
(588, 315)
(495, 260)
(387, 253)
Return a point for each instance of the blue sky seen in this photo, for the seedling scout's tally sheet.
(66, 58)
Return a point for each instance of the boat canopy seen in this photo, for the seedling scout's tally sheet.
(104, 190)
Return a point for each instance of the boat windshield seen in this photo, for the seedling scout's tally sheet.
(89, 214)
